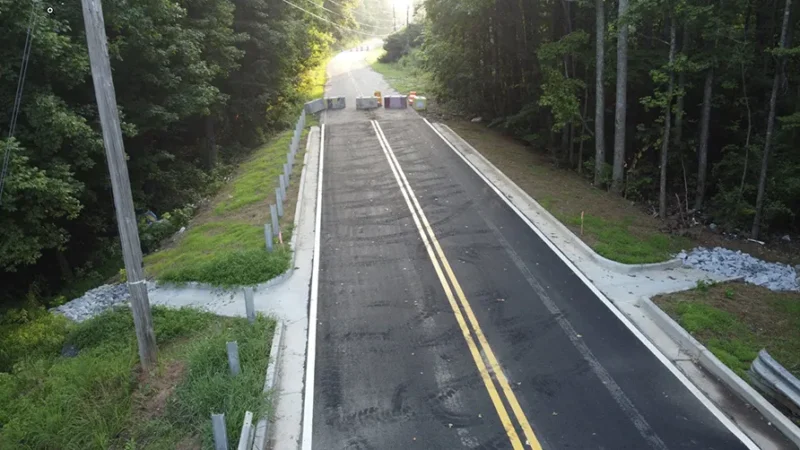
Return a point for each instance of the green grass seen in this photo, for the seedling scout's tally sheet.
(735, 321)
(226, 247)
(404, 75)
(615, 240)
(99, 400)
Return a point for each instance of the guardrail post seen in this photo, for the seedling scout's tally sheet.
(279, 201)
(273, 212)
(233, 357)
(249, 304)
(220, 433)
(268, 236)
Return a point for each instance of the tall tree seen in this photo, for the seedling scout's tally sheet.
(773, 99)
(662, 193)
(599, 88)
(702, 146)
(621, 106)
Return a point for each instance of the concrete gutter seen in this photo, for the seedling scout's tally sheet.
(708, 361)
(542, 213)
(262, 430)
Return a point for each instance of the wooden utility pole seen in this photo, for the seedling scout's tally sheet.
(394, 18)
(120, 183)
(408, 14)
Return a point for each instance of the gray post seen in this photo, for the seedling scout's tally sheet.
(120, 182)
(273, 212)
(249, 305)
(233, 357)
(268, 236)
(287, 172)
(282, 182)
(279, 202)
(220, 433)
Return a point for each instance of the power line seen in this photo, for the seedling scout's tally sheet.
(386, 21)
(332, 23)
(340, 14)
(23, 72)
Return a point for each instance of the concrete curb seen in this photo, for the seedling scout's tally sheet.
(453, 137)
(708, 361)
(280, 278)
(262, 430)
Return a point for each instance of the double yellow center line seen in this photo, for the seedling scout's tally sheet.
(488, 366)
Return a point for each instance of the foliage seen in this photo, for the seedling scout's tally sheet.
(529, 68)
(30, 332)
(198, 82)
(97, 400)
(400, 44)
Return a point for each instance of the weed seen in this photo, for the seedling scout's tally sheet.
(704, 285)
(87, 401)
(729, 293)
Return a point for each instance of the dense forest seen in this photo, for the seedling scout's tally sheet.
(690, 106)
(198, 82)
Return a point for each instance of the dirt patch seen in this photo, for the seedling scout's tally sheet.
(155, 390)
(189, 443)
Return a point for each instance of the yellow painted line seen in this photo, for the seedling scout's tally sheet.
(494, 395)
(530, 436)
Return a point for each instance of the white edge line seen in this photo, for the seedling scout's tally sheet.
(311, 349)
(664, 360)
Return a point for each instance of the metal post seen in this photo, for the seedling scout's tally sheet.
(120, 182)
(268, 236)
(279, 201)
(233, 357)
(273, 212)
(219, 431)
(249, 305)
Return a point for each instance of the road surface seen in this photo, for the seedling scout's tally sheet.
(445, 322)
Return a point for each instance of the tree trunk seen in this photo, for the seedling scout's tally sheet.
(599, 103)
(662, 195)
(702, 148)
(211, 142)
(679, 113)
(773, 99)
(622, 100)
(63, 264)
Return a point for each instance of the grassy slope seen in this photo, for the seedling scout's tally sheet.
(224, 245)
(99, 399)
(402, 75)
(736, 320)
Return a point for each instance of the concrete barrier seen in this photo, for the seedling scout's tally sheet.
(335, 102)
(314, 106)
(366, 103)
(395, 102)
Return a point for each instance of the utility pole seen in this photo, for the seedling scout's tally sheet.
(394, 18)
(408, 14)
(120, 183)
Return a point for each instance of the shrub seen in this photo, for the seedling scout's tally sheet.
(30, 333)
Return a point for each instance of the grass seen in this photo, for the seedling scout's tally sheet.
(100, 398)
(404, 75)
(736, 320)
(224, 245)
(612, 226)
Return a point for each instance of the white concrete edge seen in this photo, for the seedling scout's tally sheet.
(311, 349)
(708, 361)
(292, 243)
(546, 215)
(270, 381)
(244, 436)
(712, 408)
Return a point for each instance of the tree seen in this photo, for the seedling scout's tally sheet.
(773, 100)
(702, 147)
(621, 106)
(662, 192)
(599, 87)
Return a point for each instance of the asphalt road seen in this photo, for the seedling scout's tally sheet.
(445, 322)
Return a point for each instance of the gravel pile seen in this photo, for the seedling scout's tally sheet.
(721, 261)
(94, 302)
